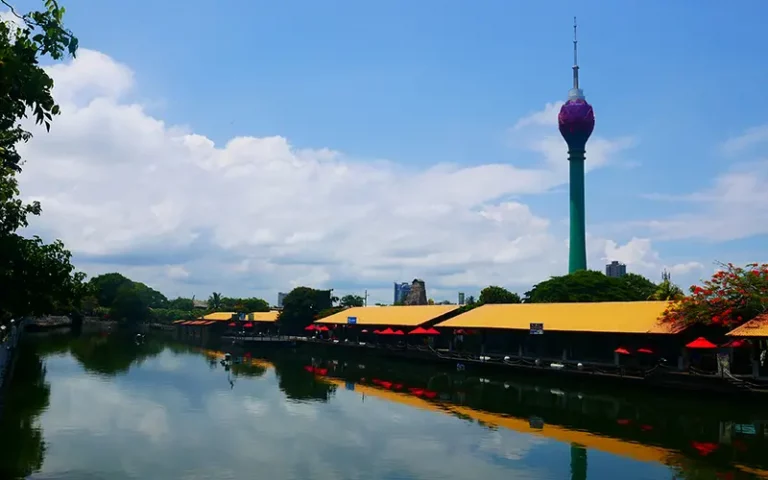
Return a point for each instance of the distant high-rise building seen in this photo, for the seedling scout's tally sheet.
(402, 290)
(615, 269)
(461, 298)
(280, 297)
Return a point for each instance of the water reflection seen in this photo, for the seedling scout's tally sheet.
(103, 407)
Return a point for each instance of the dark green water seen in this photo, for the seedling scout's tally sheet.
(102, 407)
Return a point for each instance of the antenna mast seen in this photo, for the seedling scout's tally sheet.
(575, 57)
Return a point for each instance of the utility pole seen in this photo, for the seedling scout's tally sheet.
(365, 299)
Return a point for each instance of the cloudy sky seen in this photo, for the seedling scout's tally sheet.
(254, 148)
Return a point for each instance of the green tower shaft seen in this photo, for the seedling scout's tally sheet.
(577, 257)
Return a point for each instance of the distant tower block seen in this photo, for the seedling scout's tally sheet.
(576, 122)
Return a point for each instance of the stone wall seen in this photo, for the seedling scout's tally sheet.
(418, 294)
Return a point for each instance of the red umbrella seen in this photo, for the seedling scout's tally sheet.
(377, 332)
(644, 350)
(701, 342)
(398, 332)
(363, 331)
(432, 331)
(738, 343)
(417, 331)
(248, 325)
(322, 329)
(386, 331)
(232, 324)
(309, 328)
(622, 351)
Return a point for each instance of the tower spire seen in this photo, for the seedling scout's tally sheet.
(575, 57)
(576, 93)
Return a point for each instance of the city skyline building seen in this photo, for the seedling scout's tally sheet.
(402, 289)
(615, 269)
(576, 121)
(280, 297)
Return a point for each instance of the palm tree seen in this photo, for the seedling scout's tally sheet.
(214, 301)
(667, 290)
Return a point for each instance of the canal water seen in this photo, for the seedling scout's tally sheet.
(102, 407)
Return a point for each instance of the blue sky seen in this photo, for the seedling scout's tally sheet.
(427, 83)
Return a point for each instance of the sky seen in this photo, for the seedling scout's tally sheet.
(259, 146)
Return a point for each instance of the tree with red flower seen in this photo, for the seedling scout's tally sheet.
(733, 296)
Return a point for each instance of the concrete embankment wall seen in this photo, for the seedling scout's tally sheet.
(8, 349)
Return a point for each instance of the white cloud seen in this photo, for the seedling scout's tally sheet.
(735, 207)
(169, 207)
(750, 138)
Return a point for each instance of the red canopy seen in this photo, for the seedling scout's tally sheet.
(232, 324)
(386, 331)
(432, 331)
(738, 343)
(322, 328)
(309, 328)
(363, 331)
(644, 350)
(248, 325)
(417, 331)
(622, 351)
(398, 332)
(377, 332)
(701, 342)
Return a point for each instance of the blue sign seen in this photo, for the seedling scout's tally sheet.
(350, 386)
(352, 320)
(537, 329)
(242, 317)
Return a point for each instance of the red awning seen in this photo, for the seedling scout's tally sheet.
(622, 351)
(248, 325)
(738, 343)
(701, 342)
(417, 331)
(232, 324)
(644, 350)
(432, 331)
(386, 331)
(309, 328)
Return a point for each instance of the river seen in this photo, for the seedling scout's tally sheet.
(99, 406)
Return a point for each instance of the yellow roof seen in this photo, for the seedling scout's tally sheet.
(757, 327)
(219, 316)
(270, 317)
(604, 317)
(399, 316)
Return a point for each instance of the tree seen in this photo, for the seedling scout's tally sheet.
(106, 286)
(667, 290)
(214, 301)
(181, 303)
(471, 300)
(351, 301)
(588, 286)
(733, 296)
(494, 294)
(35, 278)
(301, 306)
(639, 287)
(131, 303)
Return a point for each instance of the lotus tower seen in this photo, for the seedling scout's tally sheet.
(576, 122)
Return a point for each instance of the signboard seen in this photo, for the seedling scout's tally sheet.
(537, 328)
(350, 386)
(242, 317)
(352, 320)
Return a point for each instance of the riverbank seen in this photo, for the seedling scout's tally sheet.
(658, 376)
